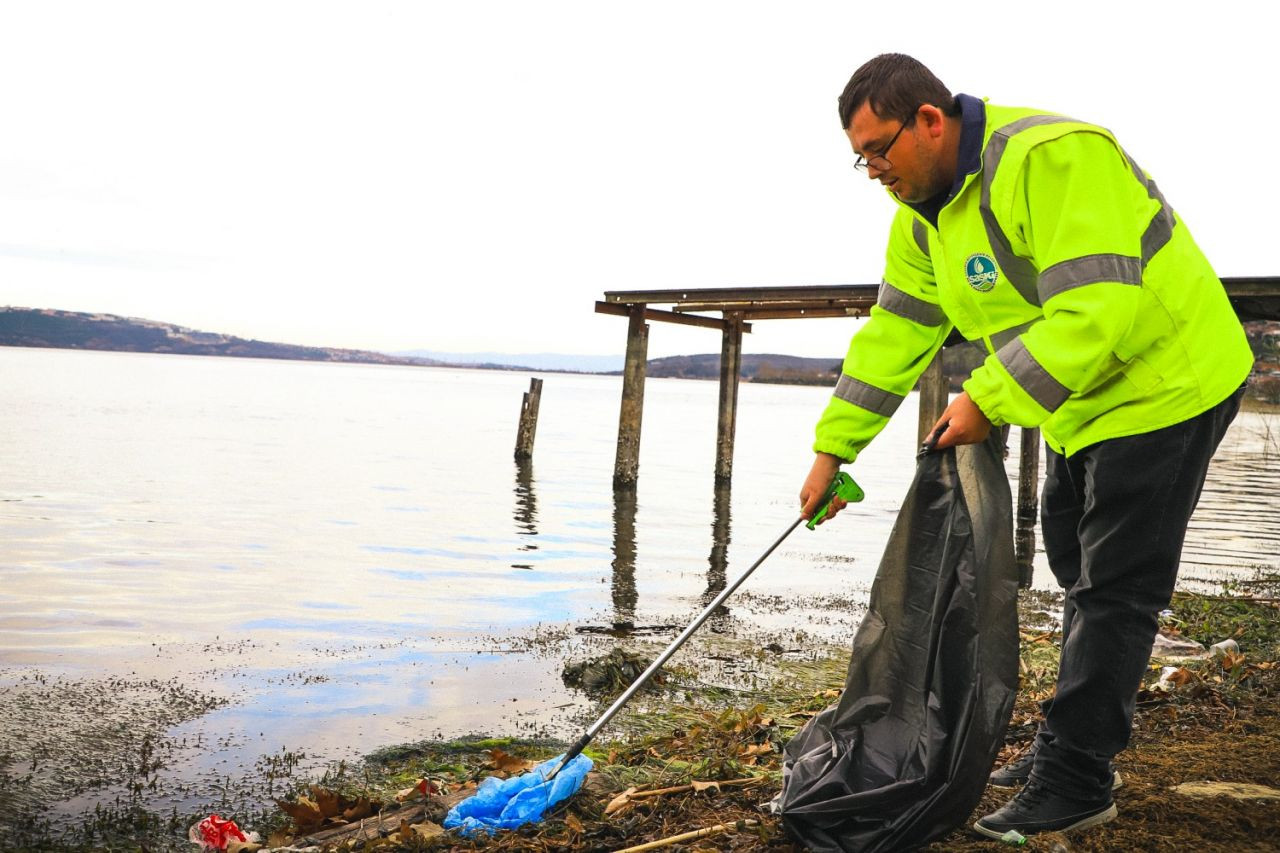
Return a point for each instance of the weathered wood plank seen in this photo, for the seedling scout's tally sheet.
(934, 395)
(528, 420)
(714, 294)
(656, 315)
(860, 303)
(626, 466)
(730, 368)
(1024, 537)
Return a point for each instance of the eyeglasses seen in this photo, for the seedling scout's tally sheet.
(878, 160)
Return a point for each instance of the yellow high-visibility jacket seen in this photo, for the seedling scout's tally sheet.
(1099, 314)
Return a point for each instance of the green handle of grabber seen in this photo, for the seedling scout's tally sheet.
(844, 486)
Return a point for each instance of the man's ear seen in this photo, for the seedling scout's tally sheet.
(931, 119)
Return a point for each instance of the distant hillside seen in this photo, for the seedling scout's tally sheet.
(532, 361)
(786, 369)
(793, 370)
(47, 327)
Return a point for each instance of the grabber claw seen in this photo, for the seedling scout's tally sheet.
(843, 487)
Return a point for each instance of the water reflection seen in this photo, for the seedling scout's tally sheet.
(526, 514)
(719, 559)
(624, 555)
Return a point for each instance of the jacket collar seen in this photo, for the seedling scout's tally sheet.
(973, 120)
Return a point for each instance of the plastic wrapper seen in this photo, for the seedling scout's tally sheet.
(903, 757)
(511, 803)
(216, 832)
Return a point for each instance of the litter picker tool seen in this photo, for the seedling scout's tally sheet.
(468, 815)
(842, 486)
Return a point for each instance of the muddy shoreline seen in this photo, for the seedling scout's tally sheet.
(88, 761)
(106, 744)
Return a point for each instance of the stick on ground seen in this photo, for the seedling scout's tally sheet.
(690, 836)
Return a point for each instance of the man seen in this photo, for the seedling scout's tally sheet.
(1105, 327)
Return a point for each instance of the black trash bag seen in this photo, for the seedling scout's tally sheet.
(902, 759)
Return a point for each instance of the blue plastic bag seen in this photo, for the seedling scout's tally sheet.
(511, 803)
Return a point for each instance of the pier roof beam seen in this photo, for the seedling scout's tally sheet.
(1252, 297)
(621, 310)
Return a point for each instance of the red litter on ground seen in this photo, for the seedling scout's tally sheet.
(213, 833)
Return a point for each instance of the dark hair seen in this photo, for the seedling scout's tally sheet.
(896, 86)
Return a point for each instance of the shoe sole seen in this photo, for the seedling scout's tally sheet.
(1103, 816)
(1117, 782)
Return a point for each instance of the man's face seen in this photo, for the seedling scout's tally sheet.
(914, 173)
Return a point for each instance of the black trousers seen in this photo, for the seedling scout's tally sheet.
(1114, 516)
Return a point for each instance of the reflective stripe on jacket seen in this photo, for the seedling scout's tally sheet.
(1099, 314)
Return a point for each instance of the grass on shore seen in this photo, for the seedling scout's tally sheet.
(1220, 723)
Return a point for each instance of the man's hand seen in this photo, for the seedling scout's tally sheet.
(815, 487)
(962, 423)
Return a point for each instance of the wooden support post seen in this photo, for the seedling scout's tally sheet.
(730, 367)
(528, 420)
(526, 514)
(718, 563)
(623, 590)
(1028, 505)
(626, 465)
(934, 395)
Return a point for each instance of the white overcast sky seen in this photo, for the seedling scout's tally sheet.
(472, 176)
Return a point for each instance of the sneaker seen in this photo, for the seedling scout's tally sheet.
(1037, 809)
(1016, 772)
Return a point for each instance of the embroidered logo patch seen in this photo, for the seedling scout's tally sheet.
(980, 271)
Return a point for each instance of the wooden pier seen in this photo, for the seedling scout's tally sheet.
(1256, 298)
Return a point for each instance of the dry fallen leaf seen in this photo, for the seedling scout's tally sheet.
(326, 801)
(305, 813)
(620, 802)
(243, 847)
(362, 809)
(757, 749)
(427, 829)
(575, 825)
(506, 763)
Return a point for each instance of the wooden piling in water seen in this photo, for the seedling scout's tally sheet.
(730, 368)
(528, 420)
(623, 574)
(934, 395)
(626, 465)
(1024, 537)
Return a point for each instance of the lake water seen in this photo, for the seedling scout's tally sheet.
(349, 556)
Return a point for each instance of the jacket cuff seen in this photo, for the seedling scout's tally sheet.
(839, 449)
(984, 390)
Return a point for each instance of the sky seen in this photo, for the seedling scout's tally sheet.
(472, 176)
